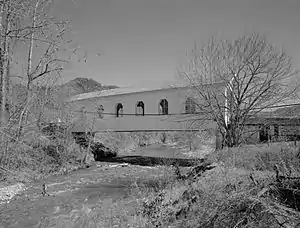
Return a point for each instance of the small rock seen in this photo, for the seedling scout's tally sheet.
(119, 165)
(56, 210)
(7, 193)
(89, 159)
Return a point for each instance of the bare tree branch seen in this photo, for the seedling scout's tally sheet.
(255, 74)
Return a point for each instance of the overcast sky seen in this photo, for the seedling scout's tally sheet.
(145, 40)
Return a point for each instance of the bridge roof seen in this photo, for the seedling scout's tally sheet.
(129, 90)
(114, 92)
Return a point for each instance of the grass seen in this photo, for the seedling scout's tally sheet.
(261, 157)
(242, 191)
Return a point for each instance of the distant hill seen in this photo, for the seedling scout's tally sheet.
(84, 85)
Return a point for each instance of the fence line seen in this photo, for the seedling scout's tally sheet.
(148, 130)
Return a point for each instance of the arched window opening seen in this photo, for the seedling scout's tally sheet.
(140, 108)
(100, 110)
(119, 110)
(163, 107)
(190, 106)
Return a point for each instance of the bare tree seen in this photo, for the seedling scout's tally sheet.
(12, 13)
(235, 80)
(5, 25)
(47, 37)
(29, 25)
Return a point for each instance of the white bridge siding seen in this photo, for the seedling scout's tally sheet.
(176, 120)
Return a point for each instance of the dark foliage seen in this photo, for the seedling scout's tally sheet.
(96, 148)
(54, 151)
(85, 85)
(54, 130)
(100, 151)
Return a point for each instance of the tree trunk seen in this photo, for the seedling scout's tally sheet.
(4, 63)
(1, 54)
(23, 115)
(232, 135)
(5, 90)
(29, 62)
(1, 79)
(39, 118)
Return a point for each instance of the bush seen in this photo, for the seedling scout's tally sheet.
(100, 151)
(54, 151)
(37, 154)
(54, 130)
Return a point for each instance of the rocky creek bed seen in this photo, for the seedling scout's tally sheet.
(68, 196)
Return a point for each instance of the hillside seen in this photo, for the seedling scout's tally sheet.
(84, 85)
